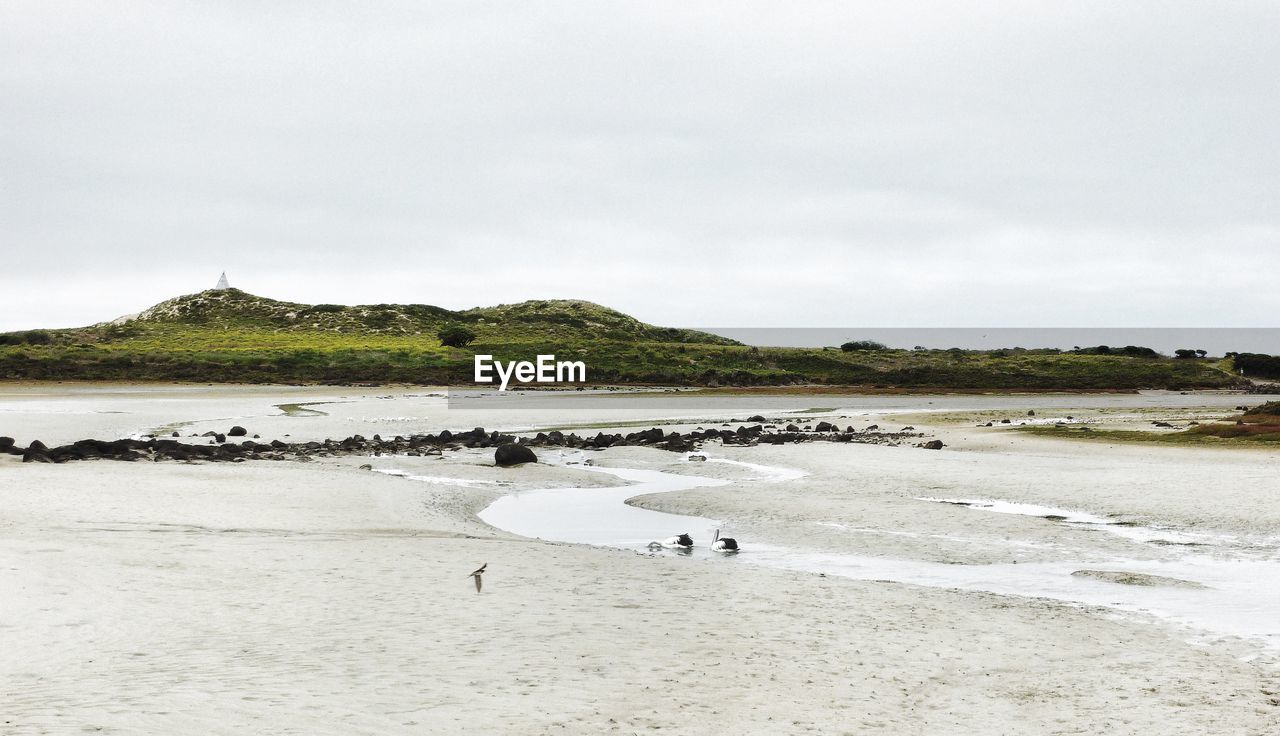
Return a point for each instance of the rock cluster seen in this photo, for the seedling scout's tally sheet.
(511, 449)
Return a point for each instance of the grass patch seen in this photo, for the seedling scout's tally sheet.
(1204, 435)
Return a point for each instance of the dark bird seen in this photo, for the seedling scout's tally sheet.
(680, 542)
(726, 544)
(477, 575)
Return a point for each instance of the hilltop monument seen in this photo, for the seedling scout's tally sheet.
(222, 283)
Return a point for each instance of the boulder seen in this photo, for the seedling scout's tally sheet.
(237, 431)
(676, 443)
(219, 438)
(756, 418)
(826, 427)
(513, 454)
(933, 445)
(6, 442)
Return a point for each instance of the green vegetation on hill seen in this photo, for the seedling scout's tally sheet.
(1255, 365)
(232, 336)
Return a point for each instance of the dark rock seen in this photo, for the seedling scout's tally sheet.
(237, 431)
(792, 428)
(756, 418)
(676, 443)
(933, 445)
(513, 454)
(219, 438)
(826, 427)
(647, 436)
(6, 442)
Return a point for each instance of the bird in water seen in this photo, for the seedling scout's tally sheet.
(477, 575)
(725, 544)
(680, 542)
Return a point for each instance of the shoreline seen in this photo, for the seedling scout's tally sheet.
(323, 598)
(638, 389)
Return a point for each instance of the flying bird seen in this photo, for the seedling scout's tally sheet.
(477, 575)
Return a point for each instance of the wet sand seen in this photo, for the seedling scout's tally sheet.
(321, 598)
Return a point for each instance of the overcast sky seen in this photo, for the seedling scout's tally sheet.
(701, 164)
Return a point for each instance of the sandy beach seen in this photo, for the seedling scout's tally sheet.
(320, 597)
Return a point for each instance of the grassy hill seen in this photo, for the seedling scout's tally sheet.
(232, 336)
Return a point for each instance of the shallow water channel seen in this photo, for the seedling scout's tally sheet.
(1235, 596)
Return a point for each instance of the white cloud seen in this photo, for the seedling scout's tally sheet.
(822, 163)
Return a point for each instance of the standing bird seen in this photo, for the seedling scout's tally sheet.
(728, 544)
(477, 575)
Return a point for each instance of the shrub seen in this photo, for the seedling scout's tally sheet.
(379, 320)
(30, 337)
(1258, 365)
(456, 336)
(856, 345)
(1132, 351)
